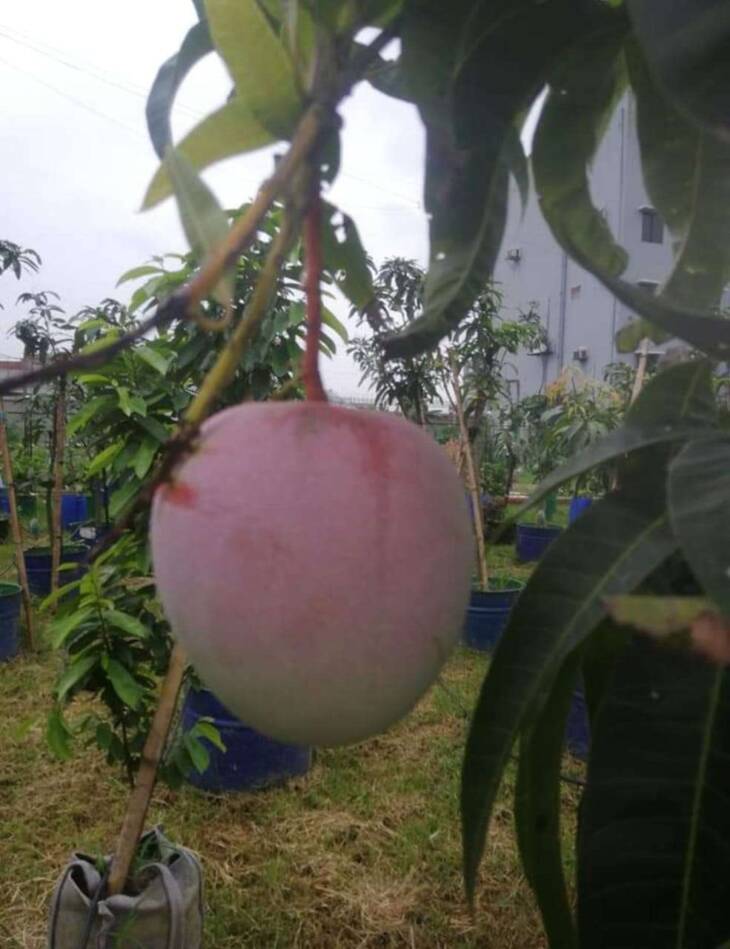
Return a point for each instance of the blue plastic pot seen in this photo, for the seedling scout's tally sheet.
(251, 761)
(533, 540)
(9, 621)
(4, 501)
(38, 567)
(487, 615)
(577, 730)
(577, 506)
(74, 509)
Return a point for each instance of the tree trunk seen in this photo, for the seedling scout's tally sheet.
(16, 531)
(56, 527)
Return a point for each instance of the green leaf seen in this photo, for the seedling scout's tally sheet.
(199, 754)
(659, 615)
(583, 90)
(124, 684)
(48, 601)
(345, 258)
(537, 808)
(204, 221)
(154, 427)
(122, 497)
(58, 735)
(60, 629)
(686, 45)
(130, 404)
(145, 456)
(195, 46)
(609, 549)
(153, 357)
(654, 826)
(145, 270)
(208, 730)
(128, 624)
(699, 506)
(104, 458)
(329, 319)
(75, 672)
(258, 62)
(229, 131)
(96, 406)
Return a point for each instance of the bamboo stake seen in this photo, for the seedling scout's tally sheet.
(57, 496)
(16, 531)
(201, 406)
(476, 500)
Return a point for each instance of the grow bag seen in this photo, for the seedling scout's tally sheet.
(74, 509)
(577, 729)
(164, 910)
(577, 506)
(9, 621)
(533, 540)
(38, 567)
(250, 761)
(488, 613)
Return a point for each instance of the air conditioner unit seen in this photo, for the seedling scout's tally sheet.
(580, 354)
(542, 349)
(514, 254)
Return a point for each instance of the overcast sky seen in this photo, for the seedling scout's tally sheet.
(75, 156)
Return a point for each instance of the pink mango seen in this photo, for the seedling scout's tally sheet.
(315, 563)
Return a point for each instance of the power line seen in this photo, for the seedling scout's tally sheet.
(59, 56)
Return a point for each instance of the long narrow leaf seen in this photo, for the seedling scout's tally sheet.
(537, 809)
(610, 549)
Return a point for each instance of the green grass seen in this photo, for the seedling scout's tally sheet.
(364, 851)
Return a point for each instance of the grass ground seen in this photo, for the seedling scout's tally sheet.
(364, 851)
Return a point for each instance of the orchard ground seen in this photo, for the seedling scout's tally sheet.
(364, 851)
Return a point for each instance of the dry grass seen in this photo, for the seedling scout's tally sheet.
(363, 852)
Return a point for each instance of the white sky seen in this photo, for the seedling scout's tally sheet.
(75, 157)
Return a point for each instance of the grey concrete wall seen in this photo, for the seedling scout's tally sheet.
(577, 311)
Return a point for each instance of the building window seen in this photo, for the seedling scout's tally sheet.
(652, 226)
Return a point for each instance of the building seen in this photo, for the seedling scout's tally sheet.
(581, 317)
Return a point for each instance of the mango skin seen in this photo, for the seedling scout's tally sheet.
(314, 562)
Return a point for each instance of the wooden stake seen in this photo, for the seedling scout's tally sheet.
(16, 531)
(476, 499)
(59, 441)
(147, 775)
(640, 369)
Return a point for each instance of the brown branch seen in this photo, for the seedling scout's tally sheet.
(313, 387)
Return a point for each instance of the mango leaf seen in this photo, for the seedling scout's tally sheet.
(73, 675)
(128, 624)
(58, 735)
(537, 809)
(103, 459)
(199, 754)
(699, 506)
(687, 45)
(48, 601)
(145, 270)
(61, 628)
(658, 615)
(206, 729)
(124, 684)
(231, 130)
(145, 456)
(121, 498)
(678, 404)
(195, 46)
(610, 549)
(99, 404)
(582, 92)
(154, 427)
(566, 136)
(204, 221)
(329, 319)
(258, 62)
(130, 404)
(153, 357)
(654, 826)
(344, 256)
